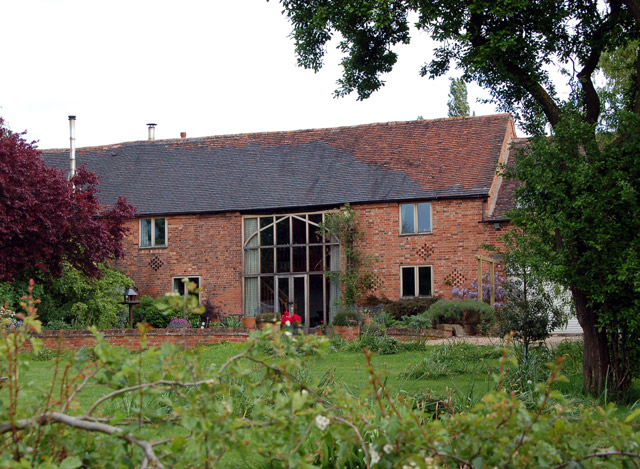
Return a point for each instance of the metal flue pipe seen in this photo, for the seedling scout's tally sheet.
(72, 146)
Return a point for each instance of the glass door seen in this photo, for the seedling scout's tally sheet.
(300, 297)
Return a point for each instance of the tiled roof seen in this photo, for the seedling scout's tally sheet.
(422, 159)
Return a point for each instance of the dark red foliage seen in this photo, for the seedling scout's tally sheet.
(44, 221)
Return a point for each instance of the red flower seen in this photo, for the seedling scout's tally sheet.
(293, 319)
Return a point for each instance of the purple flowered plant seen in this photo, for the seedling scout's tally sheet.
(472, 292)
(179, 323)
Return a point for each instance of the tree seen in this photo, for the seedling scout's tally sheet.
(46, 219)
(530, 311)
(458, 102)
(510, 48)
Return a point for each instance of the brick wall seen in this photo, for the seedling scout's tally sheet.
(130, 338)
(210, 246)
(450, 249)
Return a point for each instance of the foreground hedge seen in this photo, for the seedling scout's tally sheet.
(180, 410)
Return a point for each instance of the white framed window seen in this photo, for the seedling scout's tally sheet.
(179, 285)
(153, 232)
(416, 281)
(415, 218)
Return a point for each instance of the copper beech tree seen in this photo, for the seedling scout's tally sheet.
(46, 219)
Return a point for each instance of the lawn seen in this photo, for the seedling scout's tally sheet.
(462, 372)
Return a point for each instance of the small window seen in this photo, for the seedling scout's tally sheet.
(153, 232)
(180, 286)
(417, 281)
(415, 218)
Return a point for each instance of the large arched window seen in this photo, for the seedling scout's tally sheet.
(286, 267)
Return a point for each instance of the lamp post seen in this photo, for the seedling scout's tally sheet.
(130, 298)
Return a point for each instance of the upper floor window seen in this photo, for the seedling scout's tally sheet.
(153, 232)
(415, 218)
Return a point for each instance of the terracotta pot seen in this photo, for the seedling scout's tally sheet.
(249, 323)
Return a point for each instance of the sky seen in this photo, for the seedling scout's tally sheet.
(204, 67)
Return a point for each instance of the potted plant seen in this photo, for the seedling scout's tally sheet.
(263, 319)
(291, 322)
(249, 322)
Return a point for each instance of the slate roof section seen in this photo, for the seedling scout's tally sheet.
(393, 161)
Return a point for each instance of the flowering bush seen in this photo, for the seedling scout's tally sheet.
(8, 318)
(179, 323)
(472, 291)
(291, 319)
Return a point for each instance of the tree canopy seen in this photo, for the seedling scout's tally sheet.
(46, 219)
(538, 59)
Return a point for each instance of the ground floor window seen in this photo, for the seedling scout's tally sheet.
(179, 285)
(417, 281)
(289, 266)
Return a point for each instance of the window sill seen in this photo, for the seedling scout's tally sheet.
(422, 233)
(147, 248)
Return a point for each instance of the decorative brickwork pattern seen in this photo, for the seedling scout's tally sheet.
(457, 279)
(155, 263)
(425, 251)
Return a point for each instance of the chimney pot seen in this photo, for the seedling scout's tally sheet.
(183, 135)
(152, 132)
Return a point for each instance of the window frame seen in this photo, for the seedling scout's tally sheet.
(416, 221)
(416, 274)
(153, 245)
(189, 278)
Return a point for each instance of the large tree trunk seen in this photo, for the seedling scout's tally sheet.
(596, 365)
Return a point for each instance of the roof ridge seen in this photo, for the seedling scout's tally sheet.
(283, 132)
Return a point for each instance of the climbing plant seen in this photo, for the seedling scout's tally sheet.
(356, 277)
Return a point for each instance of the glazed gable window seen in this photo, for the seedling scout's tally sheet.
(415, 218)
(153, 232)
(417, 281)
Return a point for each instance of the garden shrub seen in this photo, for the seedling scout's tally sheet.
(465, 312)
(346, 318)
(454, 359)
(419, 322)
(385, 319)
(147, 311)
(409, 306)
(74, 298)
(231, 322)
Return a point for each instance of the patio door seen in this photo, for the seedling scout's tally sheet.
(292, 295)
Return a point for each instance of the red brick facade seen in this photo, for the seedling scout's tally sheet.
(451, 247)
(210, 246)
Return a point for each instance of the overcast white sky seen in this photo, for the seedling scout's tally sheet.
(205, 67)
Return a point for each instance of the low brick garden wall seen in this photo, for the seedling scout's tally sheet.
(73, 339)
(352, 333)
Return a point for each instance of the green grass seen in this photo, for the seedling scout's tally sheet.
(347, 369)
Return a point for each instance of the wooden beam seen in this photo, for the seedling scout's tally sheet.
(492, 279)
(479, 278)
